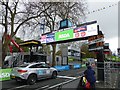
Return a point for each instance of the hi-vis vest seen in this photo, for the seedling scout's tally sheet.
(84, 80)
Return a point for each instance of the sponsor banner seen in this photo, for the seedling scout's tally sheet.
(43, 39)
(80, 29)
(72, 33)
(97, 48)
(64, 35)
(79, 34)
(92, 30)
(85, 31)
(62, 68)
(5, 74)
(96, 41)
(50, 37)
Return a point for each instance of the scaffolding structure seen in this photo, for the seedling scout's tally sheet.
(107, 74)
(111, 74)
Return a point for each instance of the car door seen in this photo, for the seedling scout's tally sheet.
(47, 70)
(38, 70)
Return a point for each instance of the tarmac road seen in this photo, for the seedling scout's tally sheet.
(63, 76)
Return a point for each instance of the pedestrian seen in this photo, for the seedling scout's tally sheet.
(90, 76)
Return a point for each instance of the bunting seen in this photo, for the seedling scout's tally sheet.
(103, 8)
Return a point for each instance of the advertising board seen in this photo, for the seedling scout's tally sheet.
(43, 39)
(96, 42)
(5, 74)
(85, 31)
(91, 30)
(82, 31)
(50, 37)
(64, 35)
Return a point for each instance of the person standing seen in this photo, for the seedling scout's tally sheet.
(90, 76)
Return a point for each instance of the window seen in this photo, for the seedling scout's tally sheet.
(36, 66)
(39, 66)
(45, 66)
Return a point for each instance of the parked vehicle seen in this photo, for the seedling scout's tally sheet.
(31, 72)
(19, 58)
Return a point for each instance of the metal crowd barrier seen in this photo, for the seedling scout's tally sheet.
(111, 74)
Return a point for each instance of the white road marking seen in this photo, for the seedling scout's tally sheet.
(53, 86)
(50, 87)
(18, 87)
(66, 77)
(45, 86)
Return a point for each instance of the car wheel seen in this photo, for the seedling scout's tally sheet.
(54, 74)
(31, 79)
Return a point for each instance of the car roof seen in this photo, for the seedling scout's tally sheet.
(33, 63)
(30, 64)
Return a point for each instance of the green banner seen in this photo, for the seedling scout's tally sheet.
(64, 35)
(5, 74)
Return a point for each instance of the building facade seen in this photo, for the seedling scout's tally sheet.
(74, 52)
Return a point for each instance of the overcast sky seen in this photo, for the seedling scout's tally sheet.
(107, 19)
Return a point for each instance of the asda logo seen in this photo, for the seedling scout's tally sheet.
(64, 35)
(4, 75)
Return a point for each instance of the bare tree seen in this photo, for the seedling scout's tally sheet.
(60, 11)
(64, 10)
(14, 17)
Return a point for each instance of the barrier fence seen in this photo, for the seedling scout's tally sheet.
(112, 74)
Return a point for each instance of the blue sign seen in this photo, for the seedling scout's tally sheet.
(61, 68)
(80, 29)
(77, 66)
(50, 37)
(40, 72)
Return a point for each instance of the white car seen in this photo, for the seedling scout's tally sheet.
(33, 72)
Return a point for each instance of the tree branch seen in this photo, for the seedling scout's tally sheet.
(30, 19)
(7, 7)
